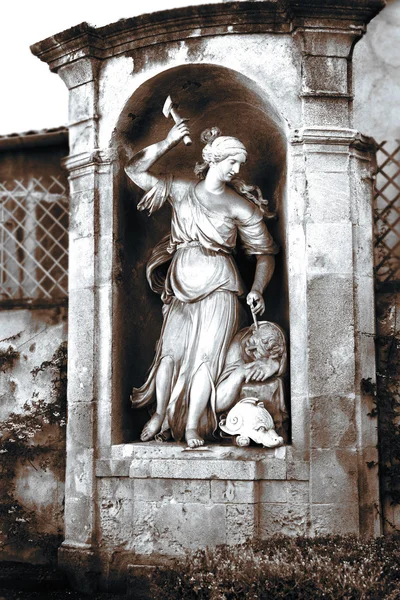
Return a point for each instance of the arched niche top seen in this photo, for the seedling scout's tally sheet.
(208, 95)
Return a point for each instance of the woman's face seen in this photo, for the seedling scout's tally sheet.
(229, 167)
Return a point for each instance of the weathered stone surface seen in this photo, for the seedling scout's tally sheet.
(300, 421)
(326, 158)
(325, 74)
(341, 519)
(181, 490)
(116, 521)
(112, 468)
(238, 492)
(116, 487)
(333, 422)
(80, 346)
(170, 528)
(81, 214)
(329, 112)
(81, 72)
(208, 469)
(334, 477)
(329, 248)
(298, 492)
(79, 518)
(161, 450)
(295, 492)
(241, 523)
(331, 317)
(329, 196)
(81, 260)
(298, 468)
(287, 519)
(115, 511)
(273, 491)
(80, 428)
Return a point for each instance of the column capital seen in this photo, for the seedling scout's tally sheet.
(78, 164)
(333, 136)
(81, 71)
(308, 13)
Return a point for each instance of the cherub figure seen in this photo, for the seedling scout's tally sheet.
(257, 355)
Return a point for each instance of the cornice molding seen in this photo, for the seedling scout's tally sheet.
(277, 16)
(160, 27)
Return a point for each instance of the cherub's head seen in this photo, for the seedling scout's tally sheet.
(265, 341)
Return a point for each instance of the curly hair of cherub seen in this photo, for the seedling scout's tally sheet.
(218, 147)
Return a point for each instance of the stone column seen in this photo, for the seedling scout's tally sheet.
(331, 282)
(91, 258)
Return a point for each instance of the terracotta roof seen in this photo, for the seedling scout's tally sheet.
(34, 137)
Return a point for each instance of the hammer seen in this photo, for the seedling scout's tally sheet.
(170, 110)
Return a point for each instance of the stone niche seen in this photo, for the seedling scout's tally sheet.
(208, 95)
(278, 76)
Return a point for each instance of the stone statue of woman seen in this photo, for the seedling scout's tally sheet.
(202, 286)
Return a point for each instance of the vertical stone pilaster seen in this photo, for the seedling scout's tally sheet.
(331, 214)
(91, 281)
(91, 259)
(362, 171)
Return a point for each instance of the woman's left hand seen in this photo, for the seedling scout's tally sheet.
(256, 302)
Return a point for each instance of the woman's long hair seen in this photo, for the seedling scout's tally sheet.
(229, 146)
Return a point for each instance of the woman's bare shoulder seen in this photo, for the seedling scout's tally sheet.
(242, 209)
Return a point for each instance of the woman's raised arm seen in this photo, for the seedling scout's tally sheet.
(138, 167)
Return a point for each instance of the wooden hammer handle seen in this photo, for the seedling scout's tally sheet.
(187, 140)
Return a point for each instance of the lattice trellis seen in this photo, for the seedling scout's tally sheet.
(387, 212)
(33, 239)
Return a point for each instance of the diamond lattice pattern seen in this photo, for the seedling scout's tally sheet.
(33, 239)
(387, 212)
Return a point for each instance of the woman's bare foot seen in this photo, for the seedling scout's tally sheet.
(193, 439)
(152, 427)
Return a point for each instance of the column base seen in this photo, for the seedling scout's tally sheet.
(81, 566)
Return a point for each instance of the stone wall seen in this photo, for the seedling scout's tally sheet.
(32, 490)
(35, 493)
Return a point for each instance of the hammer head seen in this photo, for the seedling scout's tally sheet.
(168, 104)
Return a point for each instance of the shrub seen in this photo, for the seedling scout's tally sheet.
(290, 568)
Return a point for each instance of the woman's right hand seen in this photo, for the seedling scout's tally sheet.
(177, 133)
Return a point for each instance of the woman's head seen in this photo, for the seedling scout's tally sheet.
(218, 147)
(226, 152)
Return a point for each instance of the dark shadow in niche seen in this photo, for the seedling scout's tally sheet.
(208, 95)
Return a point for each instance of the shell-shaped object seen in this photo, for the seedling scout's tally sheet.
(233, 423)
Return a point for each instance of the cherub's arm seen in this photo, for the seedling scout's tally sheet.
(138, 167)
(228, 389)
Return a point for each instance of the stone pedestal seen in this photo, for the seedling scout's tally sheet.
(278, 76)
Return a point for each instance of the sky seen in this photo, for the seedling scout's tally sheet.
(32, 97)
